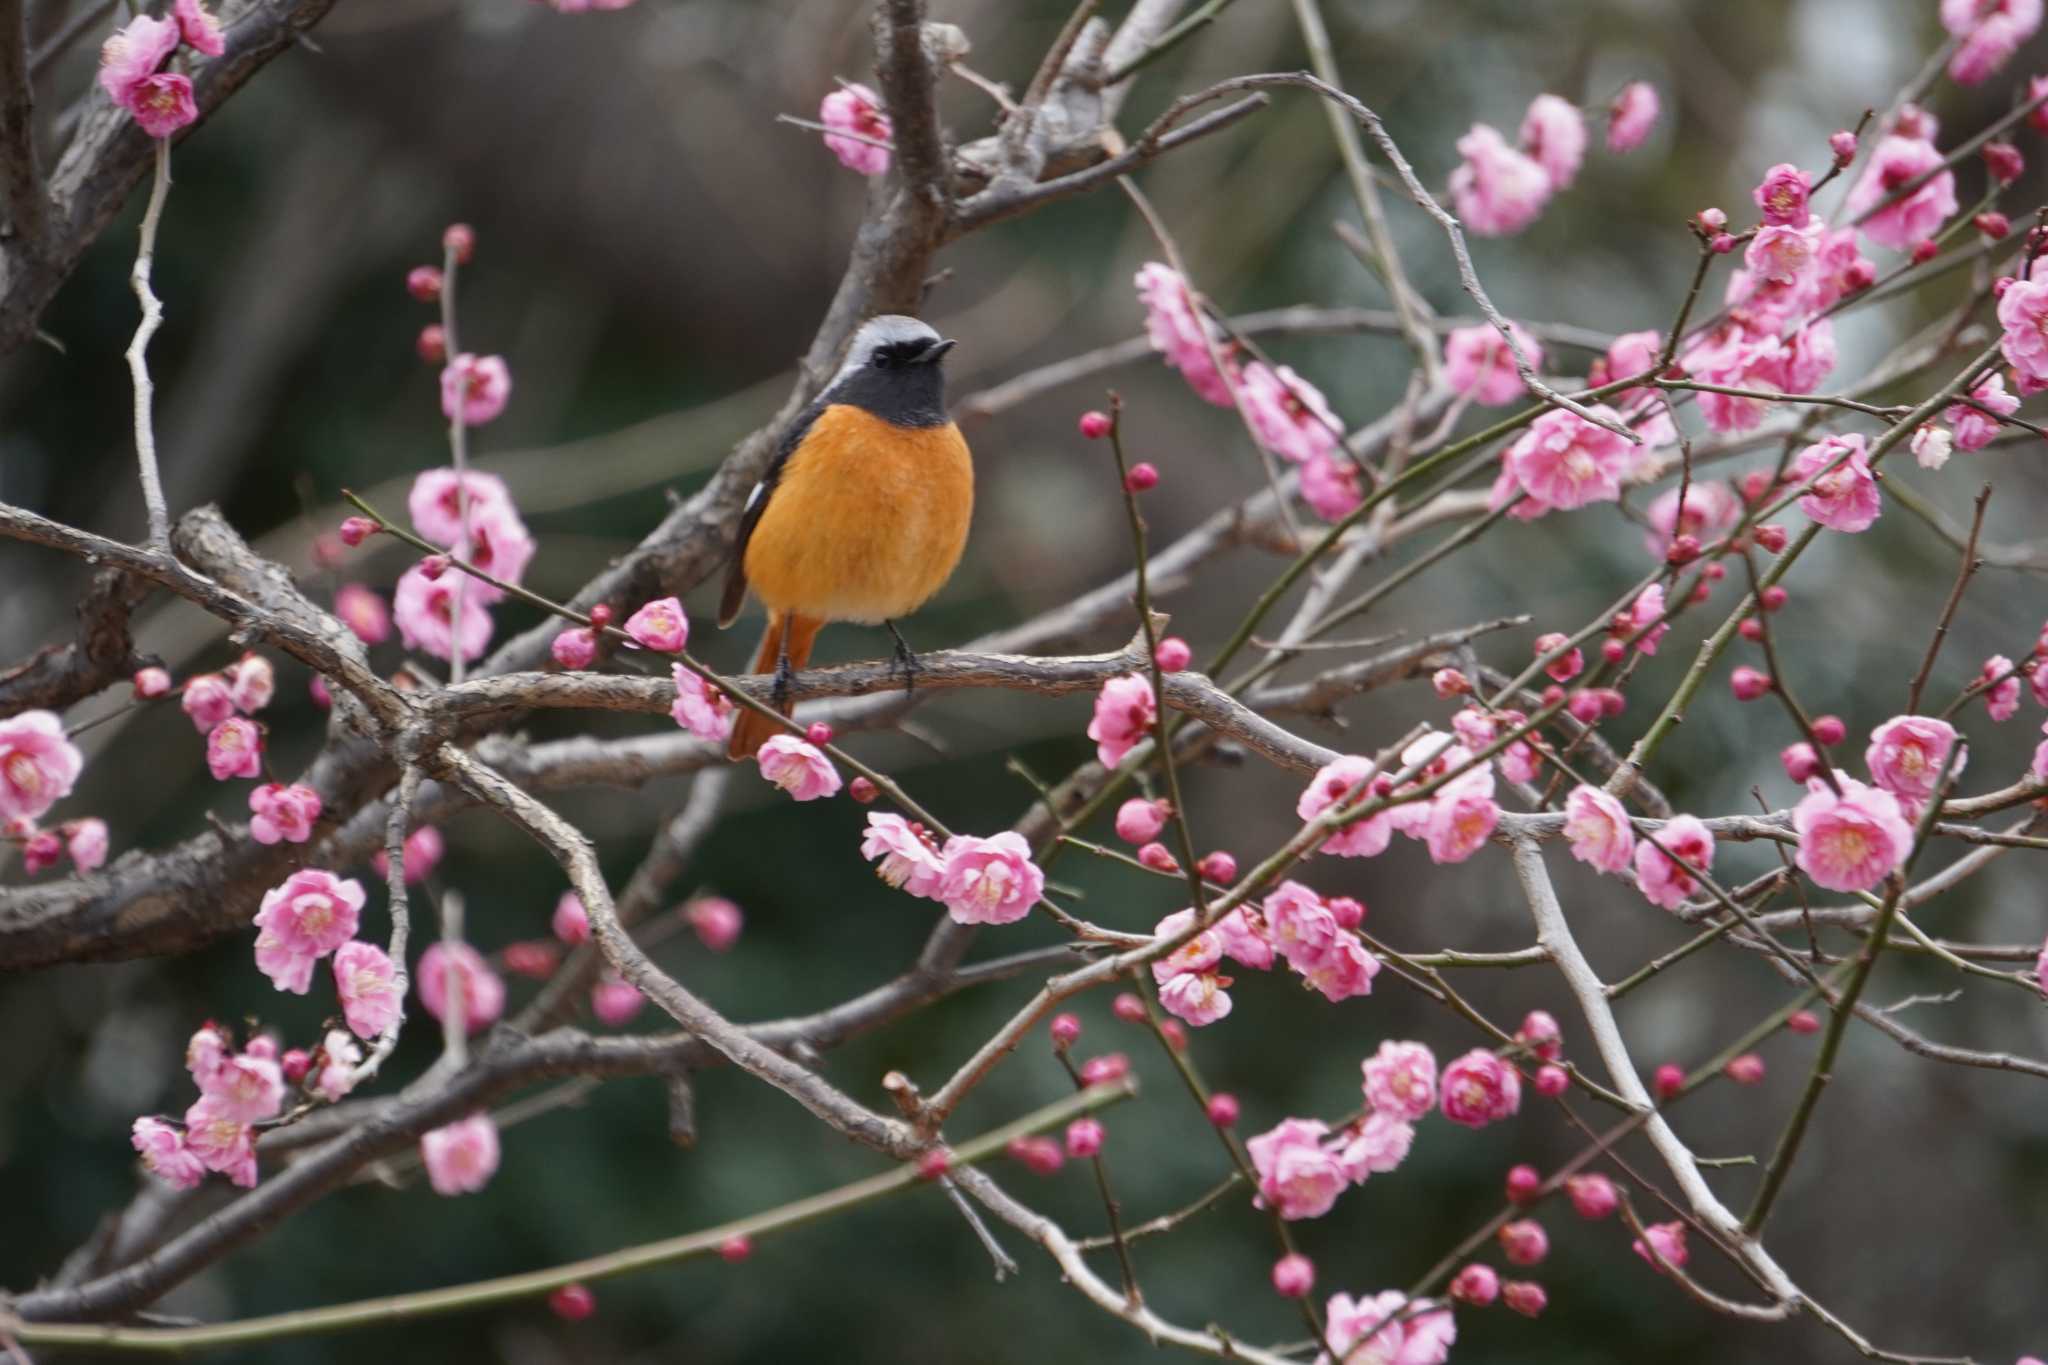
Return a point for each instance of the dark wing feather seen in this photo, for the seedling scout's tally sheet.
(735, 594)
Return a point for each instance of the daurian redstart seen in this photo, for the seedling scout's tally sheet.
(863, 512)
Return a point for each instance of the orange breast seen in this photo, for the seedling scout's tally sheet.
(867, 521)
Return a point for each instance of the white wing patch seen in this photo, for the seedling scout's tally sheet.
(755, 496)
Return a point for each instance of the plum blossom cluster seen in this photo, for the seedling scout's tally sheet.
(134, 65)
(39, 766)
(1443, 798)
(439, 609)
(1499, 188)
(857, 128)
(979, 880)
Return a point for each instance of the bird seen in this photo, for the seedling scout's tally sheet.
(863, 512)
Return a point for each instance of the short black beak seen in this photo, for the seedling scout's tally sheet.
(934, 352)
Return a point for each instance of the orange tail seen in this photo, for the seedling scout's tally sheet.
(788, 636)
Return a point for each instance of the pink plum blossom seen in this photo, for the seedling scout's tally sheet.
(252, 682)
(990, 881)
(199, 27)
(699, 707)
(448, 967)
(1243, 934)
(1853, 841)
(207, 700)
(372, 997)
(205, 1053)
(1496, 191)
(475, 387)
(245, 1087)
(1289, 415)
(1842, 492)
(281, 814)
(1554, 135)
(2023, 316)
(615, 1000)
(133, 54)
(1180, 333)
(1400, 1080)
(86, 843)
(2002, 687)
(1780, 253)
(164, 1154)
(1139, 820)
(1564, 461)
(1297, 1175)
(1975, 429)
(855, 109)
(1199, 998)
(1631, 116)
(363, 611)
(434, 503)
(38, 765)
(339, 1058)
(907, 859)
(1198, 954)
(570, 922)
(798, 767)
(1739, 361)
(462, 1157)
(1597, 827)
(220, 1142)
(1329, 485)
(1667, 1240)
(1343, 781)
(1896, 162)
(1479, 364)
(1663, 881)
(1125, 713)
(500, 546)
(1711, 509)
(1931, 445)
(1299, 922)
(716, 920)
(1479, 1088)
(424, 848)
(1646, 614)
(426, 610)
(1781, 195)
(1375, 1145)
(234, 748)
(1343, 969)
(660, 625)
(1991, 30)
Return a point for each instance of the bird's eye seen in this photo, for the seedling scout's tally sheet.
(882, 360)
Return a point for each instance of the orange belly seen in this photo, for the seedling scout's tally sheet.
(867, 521)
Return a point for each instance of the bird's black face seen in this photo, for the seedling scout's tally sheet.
(900, 381)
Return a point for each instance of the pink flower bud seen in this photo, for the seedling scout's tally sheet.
(1803, 1021)
(1522, 1183)
(1585, 707)
(533, 958)
(1173, 654)
(1800, 762)
(1541, 1035)
(423, 282)
(1700, 594)
(1565, 667)
(1552, 694)
(460, 239)
(1860, 275)
(1748, 683)
(1128, 1008)
(1109, 1067)
(573, 1302)
(1449, 682)
(574, 648)
(295, 1064)
(1612, 703)
(1713, 220)
(432, 344)
(934, 1164)
(1157, 858)
(1142, 478)
(1715, 572)
(1223, 1109)
(660, 625)
(1592, 1196)
(2004, 162)
(1750, 629)
(1842, 143)
(862, 790)
(1670, 1079)
(1748, 1069)
(1552, 1081)
(1039, 1155)
(1065, 1028)
(1094, 425)
(1771, 536)
(1084, 1138)
(433, 566)
(736, 1249)
(1994, 226)
(1294, 1275)
(1524, 1242)
(1684, 550)
(1176, 1036)
(151, 682)
(819, 733)
(355, 530)
(1477, 1285)
(1830, 730)
(1218, 867)
(1721, 244)
(600, 616)
(717, 921)
(1525, 1297)
(1347, 911)
(1612, 650)
(1925, 250)
(1139, 820)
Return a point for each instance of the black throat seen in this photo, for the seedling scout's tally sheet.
(903, 395)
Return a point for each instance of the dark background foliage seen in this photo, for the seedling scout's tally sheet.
(654, 251)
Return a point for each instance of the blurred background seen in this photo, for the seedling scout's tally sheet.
(654, 253)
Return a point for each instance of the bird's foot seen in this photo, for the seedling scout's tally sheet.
(905, 659)
(785, 677)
